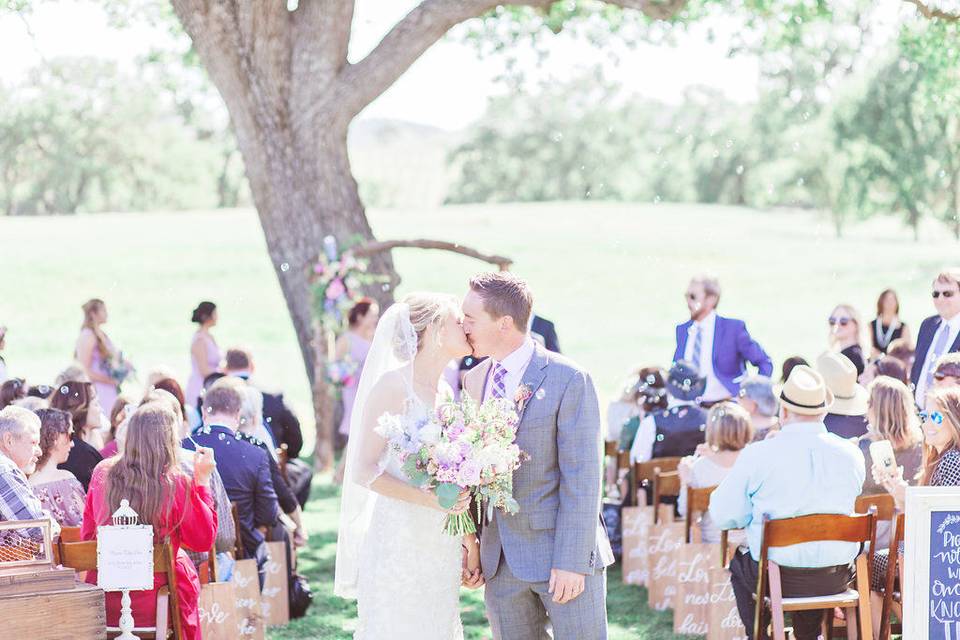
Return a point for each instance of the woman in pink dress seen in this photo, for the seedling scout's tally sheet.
(60, 493)
(95, 351)
(148, 474)
(204, 353)
(352, 349)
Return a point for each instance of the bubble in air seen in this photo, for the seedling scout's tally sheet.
(285, 267)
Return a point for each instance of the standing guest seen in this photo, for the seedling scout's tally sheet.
(96, 352)
(886, 366)
(544, 332)
(718, 347)
(757, 397)
(848, 415)
(804, 470)
(19, 451)
(3, 363)
(180, 508)
(677, 431)
(647, 394)
(939, 334)
(204, 352)
(788, 366)
(729, 430)
(12, 390)
(79, 399)
(352, 349)
(845, 332)
(120, 412)
(887, 326)
(59, 491)
(947, 373)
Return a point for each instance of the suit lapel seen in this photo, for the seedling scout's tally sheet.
(534, 376)
(719, 327)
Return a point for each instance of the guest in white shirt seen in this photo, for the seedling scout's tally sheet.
(939, 334)
(677, 431)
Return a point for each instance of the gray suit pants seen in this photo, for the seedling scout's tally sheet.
(518, 610)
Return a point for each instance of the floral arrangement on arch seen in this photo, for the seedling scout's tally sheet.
(336, 279)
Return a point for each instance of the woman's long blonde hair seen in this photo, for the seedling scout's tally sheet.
(893, 414)
(90, 309)
(146, 471)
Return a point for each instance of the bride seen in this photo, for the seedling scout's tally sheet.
(392, 553)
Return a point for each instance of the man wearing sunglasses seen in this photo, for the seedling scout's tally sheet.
(719, 347)
(939, 334)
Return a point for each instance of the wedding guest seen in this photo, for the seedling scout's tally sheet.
(848, 416)
(120, 412)
(96, 353)
(173, 387)
(804, 470)
(939, 334)
(729, 430)
(845, 335)
(19, 451)
(41, 391)
(788, 366)
(3, 363)
(178, 507)
(204, 352)
(902, 351)
(718, 347)
(544, 332)
(947, 373)
(31, 403)
(678, 430)
(941, 468)
(59, 491)
(73, 373)
(757, 397)
(12, 390)
(887, 326)
(352, 349)
(79, 399)
(649, 396)
(885, 366)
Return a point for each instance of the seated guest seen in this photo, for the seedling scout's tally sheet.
(647, 394)
(848, 415)
(788, 366)
(718, 347)
(941, 468)
(59, 491)
(939, 334)
(19, 450)
(885, 366)
(845, 335)
(80, 401)
(757, 397)
(122, 409)
(892, 417)
(947, 373)
(729, 430)
(244, 467)
(179, 507)
(677, 431)
(31, 403)
(12, 390)
(902, 351)
(887, 326)
(804, 470)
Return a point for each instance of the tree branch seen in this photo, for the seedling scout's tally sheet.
(371, 248)
(931, 13)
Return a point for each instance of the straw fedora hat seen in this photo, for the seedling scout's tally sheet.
(840, 374)
(805, 392)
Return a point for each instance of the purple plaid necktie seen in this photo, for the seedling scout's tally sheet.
(499, 381)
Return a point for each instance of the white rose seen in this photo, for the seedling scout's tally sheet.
(430, 433)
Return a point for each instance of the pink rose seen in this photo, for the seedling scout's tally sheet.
(335, 290)
(469, 474)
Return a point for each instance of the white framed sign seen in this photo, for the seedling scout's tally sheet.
(125, 558)
(931, 595)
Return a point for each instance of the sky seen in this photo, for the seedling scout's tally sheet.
(448, 87)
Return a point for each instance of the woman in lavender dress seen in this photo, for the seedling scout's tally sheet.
(204, 353)
(352, 349)
(96, 352)
(59, 491)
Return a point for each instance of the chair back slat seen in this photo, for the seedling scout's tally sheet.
(698, 501)
(645, 472)
(70, 534)
(665, 484)
(884, 502)
(818, 527)
(893, 570)
(610, 448)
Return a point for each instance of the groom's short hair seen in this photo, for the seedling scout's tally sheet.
(504, 294)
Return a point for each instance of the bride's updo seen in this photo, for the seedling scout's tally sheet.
(426, 309)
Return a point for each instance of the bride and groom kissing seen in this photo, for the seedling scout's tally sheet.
(543, 567)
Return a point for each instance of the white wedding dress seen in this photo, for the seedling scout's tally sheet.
(409, 581)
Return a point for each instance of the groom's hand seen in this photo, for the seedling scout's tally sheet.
(470, 579)
(565, 585)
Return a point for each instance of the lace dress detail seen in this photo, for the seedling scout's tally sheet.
(409, 579)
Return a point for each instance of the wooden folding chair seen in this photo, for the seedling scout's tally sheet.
(644, 473)
(282, 459)
(894, 570)
(666, 484)
(70, 534)
(860, 528)
(239, 553)
(82, 556)
(885, 504)
(698, 501)
(610, 448)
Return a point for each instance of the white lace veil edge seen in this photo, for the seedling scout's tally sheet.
(393, 348)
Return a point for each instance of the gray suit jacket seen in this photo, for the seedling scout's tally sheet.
(559, 525)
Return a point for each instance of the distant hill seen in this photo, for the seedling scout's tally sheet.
(401, 164)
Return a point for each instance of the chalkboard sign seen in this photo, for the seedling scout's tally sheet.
(945, 575)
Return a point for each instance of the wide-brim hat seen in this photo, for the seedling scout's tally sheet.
(840, 374)
(806, 393)
(684, 381)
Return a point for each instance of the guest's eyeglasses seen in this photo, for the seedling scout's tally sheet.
(943, 375)
(934, 416)
(945, 294)
(839, 321)
(692, 296)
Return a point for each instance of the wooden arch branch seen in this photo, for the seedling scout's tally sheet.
(933, 12)
(371, 248)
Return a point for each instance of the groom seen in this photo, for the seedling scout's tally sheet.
(550, 558)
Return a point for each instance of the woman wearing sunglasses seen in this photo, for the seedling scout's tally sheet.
(941, 468)
(845, 335)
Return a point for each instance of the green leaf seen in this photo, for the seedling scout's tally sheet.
(448, 493)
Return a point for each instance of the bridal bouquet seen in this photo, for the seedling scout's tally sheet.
(463, 445)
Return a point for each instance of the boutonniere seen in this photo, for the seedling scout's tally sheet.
(523, 394)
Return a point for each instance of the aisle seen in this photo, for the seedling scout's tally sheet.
(327, 619)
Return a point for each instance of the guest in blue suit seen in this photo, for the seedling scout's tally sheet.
(720, 347)
(939, 334)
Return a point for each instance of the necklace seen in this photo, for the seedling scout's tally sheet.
(884, 338)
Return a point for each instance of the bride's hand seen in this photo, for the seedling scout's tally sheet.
(463, 502)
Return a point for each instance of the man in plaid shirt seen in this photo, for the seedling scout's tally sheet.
(19, 451)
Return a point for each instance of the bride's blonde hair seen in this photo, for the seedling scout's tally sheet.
(429, 309)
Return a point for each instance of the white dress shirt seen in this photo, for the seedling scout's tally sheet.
(516, 365)
(715, 390)
(953, 326)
